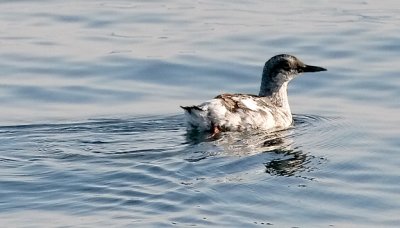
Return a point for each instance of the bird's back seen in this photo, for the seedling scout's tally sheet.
(238, 112)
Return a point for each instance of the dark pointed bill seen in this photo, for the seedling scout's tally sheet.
(309, 68)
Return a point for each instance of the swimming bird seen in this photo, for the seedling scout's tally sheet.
(267, 111)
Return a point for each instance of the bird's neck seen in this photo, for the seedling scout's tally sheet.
(276, 92)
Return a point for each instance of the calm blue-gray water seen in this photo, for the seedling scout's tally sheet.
(91, 133)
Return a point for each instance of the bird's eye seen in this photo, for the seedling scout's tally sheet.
(286, 66)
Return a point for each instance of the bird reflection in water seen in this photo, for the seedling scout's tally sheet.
(292, 163)
(281, 158)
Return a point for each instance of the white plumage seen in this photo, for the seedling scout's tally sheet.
(237, 112)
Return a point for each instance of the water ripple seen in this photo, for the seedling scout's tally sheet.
(90, 133)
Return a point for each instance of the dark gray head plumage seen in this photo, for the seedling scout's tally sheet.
(279, 70)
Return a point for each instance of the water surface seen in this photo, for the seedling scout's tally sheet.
(91, 133)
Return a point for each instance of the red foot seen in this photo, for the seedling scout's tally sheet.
(215, 131)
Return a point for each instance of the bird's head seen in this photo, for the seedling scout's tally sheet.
(283, 68)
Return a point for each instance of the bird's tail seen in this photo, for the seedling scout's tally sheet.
(196, 117)
(190, 109)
